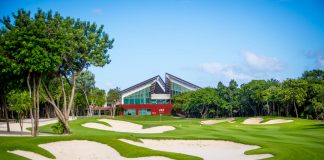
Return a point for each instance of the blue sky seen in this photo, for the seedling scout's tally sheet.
(199, 40)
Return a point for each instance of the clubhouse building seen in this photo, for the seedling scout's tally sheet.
(153, 96)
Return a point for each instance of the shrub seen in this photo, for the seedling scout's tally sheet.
(58, 128)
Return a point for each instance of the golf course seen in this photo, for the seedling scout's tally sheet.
(300, 139)
(162, 80)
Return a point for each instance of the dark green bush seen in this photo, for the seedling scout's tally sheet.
(58, 128)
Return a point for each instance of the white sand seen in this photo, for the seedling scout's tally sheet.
(277, 121)
(253, 121)
(259, 120)
(206, 149)
(214, 121)
(15, 127)
(80, 150)
(123, 126)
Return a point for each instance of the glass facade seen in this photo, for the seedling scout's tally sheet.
(139, 97)
(144, 96)
(144, 112)
(130, 112)
(177, 89)
(160, 101)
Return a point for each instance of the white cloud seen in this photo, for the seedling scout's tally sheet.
(97, 11)
(253, 66)
(262, 63)
(229, 71)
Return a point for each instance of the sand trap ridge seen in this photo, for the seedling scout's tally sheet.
(215, 121)
(259, 120)
(206, 149)
(80, 150)
(123, 126)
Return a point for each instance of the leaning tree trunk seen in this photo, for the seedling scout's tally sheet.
(63, 116)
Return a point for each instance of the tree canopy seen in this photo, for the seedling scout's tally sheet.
(293, 97)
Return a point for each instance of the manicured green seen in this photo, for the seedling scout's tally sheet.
(301, 139)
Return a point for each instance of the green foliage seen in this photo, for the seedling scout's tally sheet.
(298, 97)
(97, 97)
(198, 103)
(19, 101)
(29, 44)
(58, 128)
(113, 95)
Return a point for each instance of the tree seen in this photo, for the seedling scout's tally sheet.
(233, 92)
(113, 97)
(20, 102)
(313, 75)
(252, 95)
(272, 94)
(28, 45)
(97, 97)
(48, 45)
(196, 103)
(83, 44)
(295, 92)
(317, 100)
(85, 84)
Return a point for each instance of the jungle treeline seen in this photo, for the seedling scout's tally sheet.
(302, 97)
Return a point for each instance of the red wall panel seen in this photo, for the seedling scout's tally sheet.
(156, 109)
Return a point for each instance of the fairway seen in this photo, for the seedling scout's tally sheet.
(300, 139)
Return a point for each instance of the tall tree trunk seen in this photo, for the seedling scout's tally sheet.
(64, 99)
(21, 123)
(34, 106)
(37, 104)
(114, 110)
(273, 108)
(216, 112)
(7, 119)
(47, 112)
(88, 104)
(74, 78)
(31, 107)
(296, 109)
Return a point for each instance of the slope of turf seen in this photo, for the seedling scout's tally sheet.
(301, 139)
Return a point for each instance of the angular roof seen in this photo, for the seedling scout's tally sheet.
(181, 81)
(148, 81)
(160, 86)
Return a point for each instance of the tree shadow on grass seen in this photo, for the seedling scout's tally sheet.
(315, 126)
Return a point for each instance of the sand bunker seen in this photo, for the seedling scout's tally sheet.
(123, 126)
(15, 127)
(210, 122)
(253, 121)
(80, 150)
(206, 149)
(259, 120)
(277, 121)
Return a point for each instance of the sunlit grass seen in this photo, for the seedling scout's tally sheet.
(301, 139)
